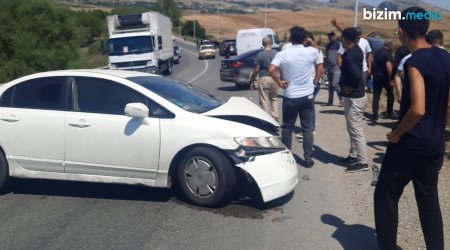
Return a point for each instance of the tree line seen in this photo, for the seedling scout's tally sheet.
(42, 35)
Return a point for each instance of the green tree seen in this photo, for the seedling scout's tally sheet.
(36, 35)
(188, 29)
(128, 10)
(92, 25)
(169, 8)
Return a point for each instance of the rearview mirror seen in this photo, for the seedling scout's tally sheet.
(137, 110)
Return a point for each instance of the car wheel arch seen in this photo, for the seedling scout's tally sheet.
(180, 155)
(4, 174)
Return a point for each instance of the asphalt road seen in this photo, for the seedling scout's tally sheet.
(38, 214)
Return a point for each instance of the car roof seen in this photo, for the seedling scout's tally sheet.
(84, 72)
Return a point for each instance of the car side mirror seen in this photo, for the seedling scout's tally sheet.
(137, 110)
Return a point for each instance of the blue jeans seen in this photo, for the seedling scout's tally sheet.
(292, 108)
(367, 80)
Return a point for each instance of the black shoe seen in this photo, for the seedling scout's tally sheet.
(391, 116)
(309, 163)
(357, 168)
(348, 160)
(375, 117)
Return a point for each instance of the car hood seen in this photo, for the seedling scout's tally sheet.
(240, 109)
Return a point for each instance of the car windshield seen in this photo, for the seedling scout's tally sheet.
(130, 45)
(187, 97)
(204, 47)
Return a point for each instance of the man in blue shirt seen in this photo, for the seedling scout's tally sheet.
(416, 146)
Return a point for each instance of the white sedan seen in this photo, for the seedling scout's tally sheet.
(136, 128)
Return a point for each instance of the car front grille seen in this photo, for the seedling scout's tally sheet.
(131, 64)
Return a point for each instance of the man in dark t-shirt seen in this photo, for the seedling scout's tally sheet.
(416, 146)
(381, 70)
(355, 100)
(268, 88)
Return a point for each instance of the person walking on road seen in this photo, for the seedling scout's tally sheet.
(268, 88)
(355, 100)
(298, 63)
(332, 68)
(417, 145)
(382, 70)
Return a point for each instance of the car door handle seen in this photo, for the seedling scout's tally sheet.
(80, 123)
(10, 118)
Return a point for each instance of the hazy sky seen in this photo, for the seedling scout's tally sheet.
(440, 3)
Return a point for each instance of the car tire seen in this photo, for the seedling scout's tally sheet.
(242, 86)
(169, 68)
(4, 171)
(206, 177)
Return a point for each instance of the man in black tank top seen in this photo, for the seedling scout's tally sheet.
(416, 146)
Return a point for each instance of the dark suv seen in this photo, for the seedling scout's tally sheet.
(223, 45)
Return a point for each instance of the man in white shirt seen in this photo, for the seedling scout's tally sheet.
(298, 63)
(367, 51)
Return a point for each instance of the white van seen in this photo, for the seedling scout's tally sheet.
(251, 39)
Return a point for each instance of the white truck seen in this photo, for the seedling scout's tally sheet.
(141, 42)
(251, 39)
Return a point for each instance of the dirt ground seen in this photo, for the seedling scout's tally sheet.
(317, 21)
(410, 234)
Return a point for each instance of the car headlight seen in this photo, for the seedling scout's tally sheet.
(112, 66)
(252, 146)
(260, 142)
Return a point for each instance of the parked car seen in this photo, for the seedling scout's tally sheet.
(224, 44)
(239, 69)
(176, 54)
(206, 51)
(131, 127)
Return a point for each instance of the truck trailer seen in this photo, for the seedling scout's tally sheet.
(141, 42)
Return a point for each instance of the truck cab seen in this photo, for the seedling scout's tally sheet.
(141, 42)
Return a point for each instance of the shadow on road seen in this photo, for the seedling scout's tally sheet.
(89, 190)
(246, 202)
(333, 112)
(232, 88)
(351, 237)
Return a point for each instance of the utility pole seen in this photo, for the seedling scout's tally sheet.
(355, 23)
(195, 39)
(265, 15)
(218, 22)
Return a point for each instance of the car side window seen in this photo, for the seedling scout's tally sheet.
(43, 93)
(93, 95)
(6, 99)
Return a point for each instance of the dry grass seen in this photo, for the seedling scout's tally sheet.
(313, 20)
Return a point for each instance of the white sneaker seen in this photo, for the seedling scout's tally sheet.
(299, 135)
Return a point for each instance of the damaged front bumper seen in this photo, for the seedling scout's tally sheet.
(275, 173)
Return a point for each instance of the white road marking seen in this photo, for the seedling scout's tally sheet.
(204, 70)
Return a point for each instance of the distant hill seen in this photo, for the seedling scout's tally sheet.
(248, 6)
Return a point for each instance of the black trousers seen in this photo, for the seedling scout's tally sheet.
(398, 169)
(378, 86)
